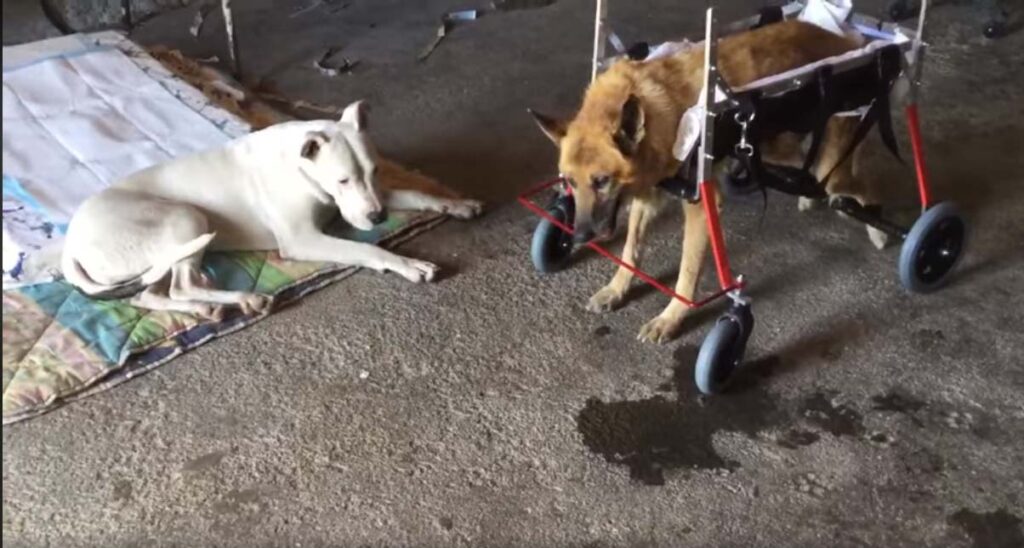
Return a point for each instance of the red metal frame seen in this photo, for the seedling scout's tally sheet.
(917, 143)
(728, 283)
(707, 197)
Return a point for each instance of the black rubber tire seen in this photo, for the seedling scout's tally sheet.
(996, 29)
(901, 9)
(720, 355)
(551, 247)
(932, 249)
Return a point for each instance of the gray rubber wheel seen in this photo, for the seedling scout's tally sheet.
(932, 248)
(720, 356)
(901, 9)
(551, 246)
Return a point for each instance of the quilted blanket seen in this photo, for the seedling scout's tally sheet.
(58, 345)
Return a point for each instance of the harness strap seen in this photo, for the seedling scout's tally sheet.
(889, 68)
(826, 104)
(879, 111)
(769, 15)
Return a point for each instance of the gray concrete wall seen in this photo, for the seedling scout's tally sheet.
(79, 15)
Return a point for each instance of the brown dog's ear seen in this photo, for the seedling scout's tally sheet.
(631, 126)
(311, 146)
(554, 129)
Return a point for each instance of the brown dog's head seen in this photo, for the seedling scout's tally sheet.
(598, 155)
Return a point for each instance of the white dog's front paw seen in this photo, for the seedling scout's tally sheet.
(417, 271)
(464, 209)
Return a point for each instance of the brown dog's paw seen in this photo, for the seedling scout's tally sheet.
(605, 300)
(661, 329)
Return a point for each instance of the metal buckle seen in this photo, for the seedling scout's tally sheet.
(744, 147)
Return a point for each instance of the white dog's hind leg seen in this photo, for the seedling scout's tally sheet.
(151, 299)
(189, 284)
(415, 200)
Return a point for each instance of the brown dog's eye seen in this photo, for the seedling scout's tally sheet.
(601, 183)
(343, 181)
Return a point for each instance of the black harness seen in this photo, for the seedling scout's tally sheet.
(804, 110)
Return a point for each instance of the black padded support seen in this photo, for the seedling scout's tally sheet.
(870, 215)
(769, 15)
(803, 110)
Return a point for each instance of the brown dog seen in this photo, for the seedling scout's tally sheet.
(619, 145)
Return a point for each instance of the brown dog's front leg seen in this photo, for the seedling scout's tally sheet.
(642, 210)
(665, 326)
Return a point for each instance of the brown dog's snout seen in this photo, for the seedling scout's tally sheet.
(596, 221)
(582, 234)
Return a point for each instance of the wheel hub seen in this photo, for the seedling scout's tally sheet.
(940, 250)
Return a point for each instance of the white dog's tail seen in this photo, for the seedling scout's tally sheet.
(78, 277)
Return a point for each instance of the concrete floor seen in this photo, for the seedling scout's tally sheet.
(490, 408)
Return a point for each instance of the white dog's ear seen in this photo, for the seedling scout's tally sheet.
(355, 114)
(311, 146)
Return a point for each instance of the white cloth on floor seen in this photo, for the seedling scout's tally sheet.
(78, 115)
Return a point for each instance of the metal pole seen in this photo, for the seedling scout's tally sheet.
(600, 38)
(707, 156)
(229, 27)
(707, 100)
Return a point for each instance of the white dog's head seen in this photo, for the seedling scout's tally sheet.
(342, 161)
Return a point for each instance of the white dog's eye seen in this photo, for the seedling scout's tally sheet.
(343, 181)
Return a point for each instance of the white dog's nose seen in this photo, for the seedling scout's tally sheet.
(378, 217)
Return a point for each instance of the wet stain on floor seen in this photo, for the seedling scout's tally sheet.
(659, 434)
(204, 462)
(998, 529)
(122, 490)
(822, 410)
(796, 438)
(925, 340)
(899, 402)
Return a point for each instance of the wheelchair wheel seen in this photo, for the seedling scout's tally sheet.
(932, 248)
(902, 9)
(996, 28)
(722, 351)
(552, 247)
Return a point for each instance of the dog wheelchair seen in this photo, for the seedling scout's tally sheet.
(732, 122)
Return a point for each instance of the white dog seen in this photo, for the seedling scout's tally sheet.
(145, 236)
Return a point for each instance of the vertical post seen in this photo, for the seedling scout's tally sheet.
(914, 126)
(706, 151)
(913, 122)
(600, 38)
(229, 27)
